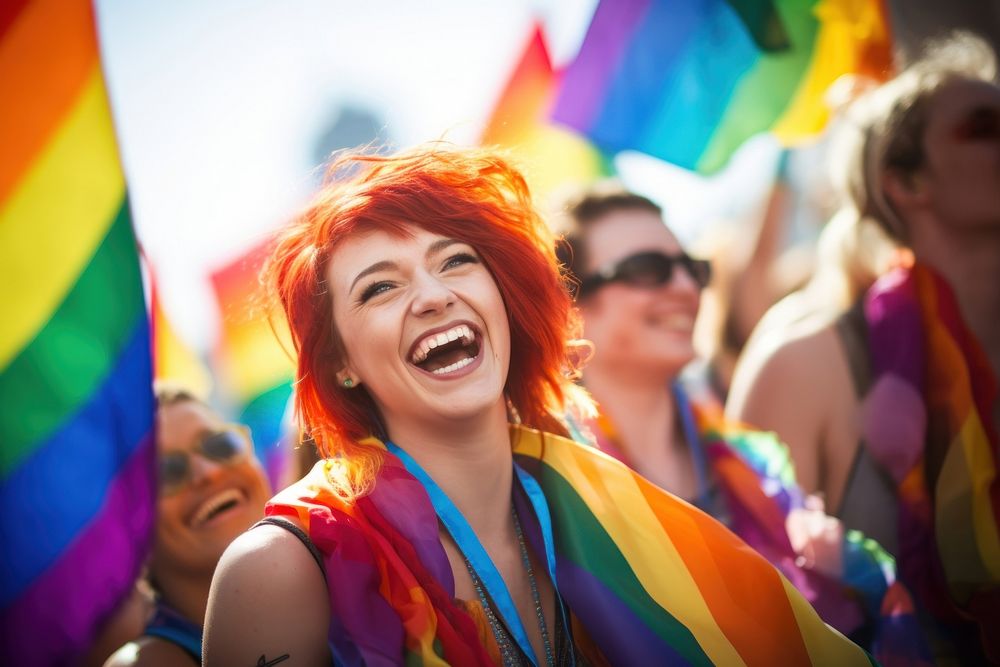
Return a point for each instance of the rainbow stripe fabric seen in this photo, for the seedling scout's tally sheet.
(649, 579)
(928, 423)
(255, 366)
(550, 156)
(77, 458)
(688, 80)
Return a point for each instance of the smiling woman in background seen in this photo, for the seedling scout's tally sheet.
(211, 489)
(453, 522)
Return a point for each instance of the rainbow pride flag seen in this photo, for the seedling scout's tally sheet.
(550, 156)
(255, 361)
(650, 579)
(77, 458)
(688, 82)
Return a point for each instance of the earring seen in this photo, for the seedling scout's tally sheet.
(348, 382)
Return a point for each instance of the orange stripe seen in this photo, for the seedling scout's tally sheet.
(46, 58)
(734, 586)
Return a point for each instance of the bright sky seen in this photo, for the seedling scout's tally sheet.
(220, 105)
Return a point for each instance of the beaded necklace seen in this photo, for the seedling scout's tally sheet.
(508, 653)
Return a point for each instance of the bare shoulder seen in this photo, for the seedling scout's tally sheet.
(795, 363)
(149, 652)
(268, 598)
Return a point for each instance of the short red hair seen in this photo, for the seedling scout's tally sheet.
(473, 195)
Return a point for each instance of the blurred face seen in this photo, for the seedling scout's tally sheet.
(962, 149)
(211, 490)
(644, 327)
(423, 325)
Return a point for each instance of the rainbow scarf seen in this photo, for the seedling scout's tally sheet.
(754, 474)
(928, 424)
(77, 478)
(650, 579)
(688, 81)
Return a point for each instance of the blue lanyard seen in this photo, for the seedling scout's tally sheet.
(694, 443)
(473, 550)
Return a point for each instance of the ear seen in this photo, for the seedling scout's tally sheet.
(346, 379)
(905, 190)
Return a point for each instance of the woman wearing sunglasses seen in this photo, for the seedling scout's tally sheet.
(453, 522)
(891, 411)
(638, 292)
(211, 489)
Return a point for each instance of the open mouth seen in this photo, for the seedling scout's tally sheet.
(446, 351)
(216, 506)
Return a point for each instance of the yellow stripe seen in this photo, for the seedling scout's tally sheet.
(654, 559)
(56, 217)
(966, 529)
(826, 646)
(255, 361)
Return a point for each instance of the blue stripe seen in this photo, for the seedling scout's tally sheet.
(694, 101)
(62, 485)
(633, 95)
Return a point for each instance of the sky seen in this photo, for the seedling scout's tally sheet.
(224, 110)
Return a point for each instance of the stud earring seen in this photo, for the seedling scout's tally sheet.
(348, 382)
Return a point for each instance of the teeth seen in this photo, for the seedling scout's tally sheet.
(214, 503)
(462, 363)
(437, 340)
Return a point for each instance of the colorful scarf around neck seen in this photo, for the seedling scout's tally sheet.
(928, 424)
(650, 579)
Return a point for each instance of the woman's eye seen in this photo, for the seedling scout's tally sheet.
(374, 290)
(459, 259)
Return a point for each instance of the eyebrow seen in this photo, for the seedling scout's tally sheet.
(387, 265)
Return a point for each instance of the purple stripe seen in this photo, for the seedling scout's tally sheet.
(587, 80)
(610, 623)
(56, 618)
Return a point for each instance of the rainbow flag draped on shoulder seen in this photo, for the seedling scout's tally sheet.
(688, 81)
(648, 578)
(76, 423)
(928, 424)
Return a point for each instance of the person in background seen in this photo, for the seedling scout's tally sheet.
(638, 292)
(211, 489)
(452, 521)
(891, 411)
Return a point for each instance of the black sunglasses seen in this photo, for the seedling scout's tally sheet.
(647, 269)
(227, 446)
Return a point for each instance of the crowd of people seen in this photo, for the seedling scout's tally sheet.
(518, 462)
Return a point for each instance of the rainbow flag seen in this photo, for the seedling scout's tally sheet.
(650, 579)
(688, 82)
(77, 459)
(255, 361)
(550, 156)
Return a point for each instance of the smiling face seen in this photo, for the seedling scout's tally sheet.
(644, 328)
(423, 326)
(198, 519)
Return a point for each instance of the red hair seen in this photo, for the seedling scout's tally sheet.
(473, 195)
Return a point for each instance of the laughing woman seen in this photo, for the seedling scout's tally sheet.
(452, 522)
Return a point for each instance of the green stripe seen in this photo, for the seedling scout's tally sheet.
(767, 89)
(581, 538)
(62, 366)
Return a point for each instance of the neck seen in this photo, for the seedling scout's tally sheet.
(472, 462)
(970, 263)
(185, 593)
(640, 405)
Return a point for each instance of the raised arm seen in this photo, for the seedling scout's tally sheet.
(268, 604)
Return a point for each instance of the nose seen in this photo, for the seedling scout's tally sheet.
(203, 468)
(681, 281)
(430, 295)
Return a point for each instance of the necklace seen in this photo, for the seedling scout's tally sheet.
(508, 654)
